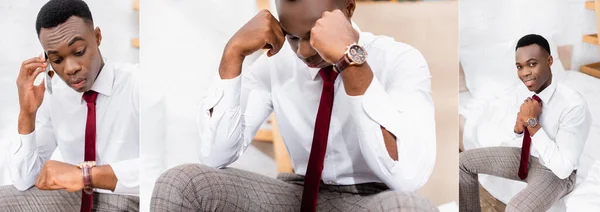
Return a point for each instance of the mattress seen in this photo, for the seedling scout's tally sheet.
(504, 189)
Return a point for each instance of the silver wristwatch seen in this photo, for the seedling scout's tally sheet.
(532, 122)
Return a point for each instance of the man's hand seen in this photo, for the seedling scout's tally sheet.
(331, 35)
(261, 32)
(530, 109)
(519, 125)
(58, 175)
(30, 96)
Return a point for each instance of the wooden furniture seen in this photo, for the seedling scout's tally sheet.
(282, 158)
(135, 42)
(594, 68)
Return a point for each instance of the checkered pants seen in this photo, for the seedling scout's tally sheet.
(194, 187)
(34, 199)
(543, 187)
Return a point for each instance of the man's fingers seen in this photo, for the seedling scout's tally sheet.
(26, 69)
(276, 37)
(40, 181)
(274, 43)
(33, 60)
(36, 73)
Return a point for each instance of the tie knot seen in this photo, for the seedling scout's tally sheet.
(328, 74)
(90, 96)
(536, 98)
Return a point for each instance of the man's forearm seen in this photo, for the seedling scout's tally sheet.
(533, 130)
(104, 177)
(390, 143)
(357, 79)
(26, 123)
(231, 64)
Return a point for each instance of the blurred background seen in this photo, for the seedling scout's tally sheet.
(182, 42)
(116, 18)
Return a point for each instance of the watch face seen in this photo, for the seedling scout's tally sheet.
(532, 122)
(357, 54)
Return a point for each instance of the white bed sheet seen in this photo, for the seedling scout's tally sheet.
(503, 189)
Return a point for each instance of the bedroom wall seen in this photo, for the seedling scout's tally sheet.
(567, 20)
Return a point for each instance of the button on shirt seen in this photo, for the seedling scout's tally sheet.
(398, 98)
(61, 120)
(565, 124)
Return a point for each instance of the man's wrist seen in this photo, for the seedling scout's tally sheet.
(26, 122)
(231, 63)
(86, 172)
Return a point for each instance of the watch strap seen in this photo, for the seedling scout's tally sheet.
(86, 172)
(341, 64)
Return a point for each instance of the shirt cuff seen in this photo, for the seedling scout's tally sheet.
(370, 112)
(226, 95)
(127, 173)
(26, 144)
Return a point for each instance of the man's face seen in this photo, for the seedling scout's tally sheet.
(297, 19)
(533, 67)
(72, 49)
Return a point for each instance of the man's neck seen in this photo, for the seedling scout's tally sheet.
(545, 85)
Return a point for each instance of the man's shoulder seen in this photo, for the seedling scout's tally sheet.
(387, 45)
(569, 95)
(126, 71)
(126, 76)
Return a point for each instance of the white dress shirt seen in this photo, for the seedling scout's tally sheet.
(565, 124)
(398, 98)
(61, 122)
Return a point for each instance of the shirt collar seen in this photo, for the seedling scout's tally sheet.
(314, 72)
(547, 93)
(104, 82)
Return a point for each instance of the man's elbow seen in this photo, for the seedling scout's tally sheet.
(22, 184)
(563, 173)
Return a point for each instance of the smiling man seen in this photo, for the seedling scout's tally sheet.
(92, 118)
(354, 110)
(552, 125)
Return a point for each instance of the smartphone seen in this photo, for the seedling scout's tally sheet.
(48, 78)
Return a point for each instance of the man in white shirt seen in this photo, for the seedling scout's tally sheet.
(92, 118)
(368, 125)
(552, 125)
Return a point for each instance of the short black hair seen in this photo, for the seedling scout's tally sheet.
(534, 39)
(56, 12)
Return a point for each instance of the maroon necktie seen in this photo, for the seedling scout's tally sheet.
(525, 149)
(319, 143)
(90, 143)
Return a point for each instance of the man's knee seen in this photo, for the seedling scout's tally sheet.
(466, 161)
(400, 201)
(182, 176)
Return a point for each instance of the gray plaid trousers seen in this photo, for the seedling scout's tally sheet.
(195, 187)
(543, 187)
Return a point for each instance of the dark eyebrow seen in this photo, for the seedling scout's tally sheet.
(530, 59)
(75, 39)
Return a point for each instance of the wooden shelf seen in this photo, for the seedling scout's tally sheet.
(591, 69)
(135, 43)
(590, 5)
(136, 5)
(264, 136)
(591, 39)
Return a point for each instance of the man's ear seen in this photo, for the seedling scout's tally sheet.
(349, 6)
(550, 60)
(98, 35)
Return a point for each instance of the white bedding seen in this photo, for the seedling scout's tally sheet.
(473, 109)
